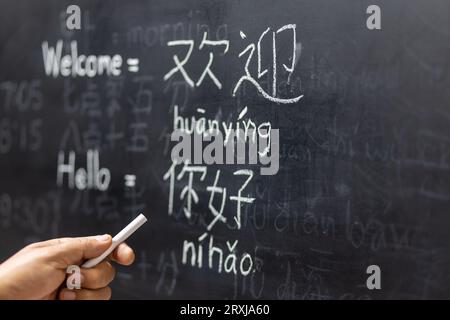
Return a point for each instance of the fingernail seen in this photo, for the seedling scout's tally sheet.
(68, 295)
(104, 237)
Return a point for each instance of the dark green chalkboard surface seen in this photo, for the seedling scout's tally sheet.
(363, 115)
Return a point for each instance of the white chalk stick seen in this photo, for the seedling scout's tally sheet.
(118, 239)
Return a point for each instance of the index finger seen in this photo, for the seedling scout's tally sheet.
(75, 250)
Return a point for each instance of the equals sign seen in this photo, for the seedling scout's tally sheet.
(130, 180)
(133, 64)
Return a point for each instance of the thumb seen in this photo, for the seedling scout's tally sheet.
(76, 250)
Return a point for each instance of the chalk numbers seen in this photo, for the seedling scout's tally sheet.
(5, 210)
(5, 136)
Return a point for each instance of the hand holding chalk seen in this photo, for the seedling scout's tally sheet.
(118, 239)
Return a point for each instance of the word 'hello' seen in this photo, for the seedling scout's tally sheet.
(93, 177)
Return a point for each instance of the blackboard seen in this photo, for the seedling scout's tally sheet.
(364, 152)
